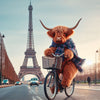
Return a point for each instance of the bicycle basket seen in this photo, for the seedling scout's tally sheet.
(49, 62)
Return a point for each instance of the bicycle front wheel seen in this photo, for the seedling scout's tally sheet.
(70, 90)
(50, 86)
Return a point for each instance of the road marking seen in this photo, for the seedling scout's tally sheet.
(39, 97)
(88, 88)
(33, 92)
(34, 98)
(29, 87)
(95, 89)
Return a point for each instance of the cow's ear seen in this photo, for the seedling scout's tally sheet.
(51, 34)
(69, 32)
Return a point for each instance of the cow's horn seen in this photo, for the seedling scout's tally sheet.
(76, 24)
(45, 26)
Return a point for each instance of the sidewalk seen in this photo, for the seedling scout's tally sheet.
(85, 86)
(3, 86)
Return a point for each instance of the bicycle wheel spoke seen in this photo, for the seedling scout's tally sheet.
(50, 87)
(49, 81)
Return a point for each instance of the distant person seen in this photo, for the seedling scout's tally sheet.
(89, 80)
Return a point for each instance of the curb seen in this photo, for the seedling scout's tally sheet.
(4, 86)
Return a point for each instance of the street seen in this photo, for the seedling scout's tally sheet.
(25, 92)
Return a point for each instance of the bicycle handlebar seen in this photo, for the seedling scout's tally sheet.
(57, 55)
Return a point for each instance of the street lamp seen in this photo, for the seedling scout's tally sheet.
(96, 67)
(1, 36)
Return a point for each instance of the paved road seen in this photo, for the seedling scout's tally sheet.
(25, 92)
(22, 92)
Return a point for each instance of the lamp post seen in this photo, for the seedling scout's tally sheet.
(96, 67)
(1, 36)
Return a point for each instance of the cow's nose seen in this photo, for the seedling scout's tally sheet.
(58, 38)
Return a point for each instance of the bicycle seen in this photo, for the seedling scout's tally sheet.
(52, 78)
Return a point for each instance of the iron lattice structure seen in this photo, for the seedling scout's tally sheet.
(30, 53)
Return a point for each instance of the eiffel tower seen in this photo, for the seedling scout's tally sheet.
(30, 53)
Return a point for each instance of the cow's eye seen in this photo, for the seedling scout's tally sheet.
(65, 34)
(53, 34)
(58, 31)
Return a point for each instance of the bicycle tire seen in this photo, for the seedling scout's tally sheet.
(47, 83)
(72, 86)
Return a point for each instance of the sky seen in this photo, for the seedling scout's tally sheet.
(14, 25)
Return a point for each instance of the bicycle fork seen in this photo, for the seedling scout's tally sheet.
(50, 81)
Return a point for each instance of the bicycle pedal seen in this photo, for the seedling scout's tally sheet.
(61, 90)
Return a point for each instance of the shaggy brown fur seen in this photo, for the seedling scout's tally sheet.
(60, 34)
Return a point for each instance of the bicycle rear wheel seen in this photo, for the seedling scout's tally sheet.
(70, 90)
(50, 86)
